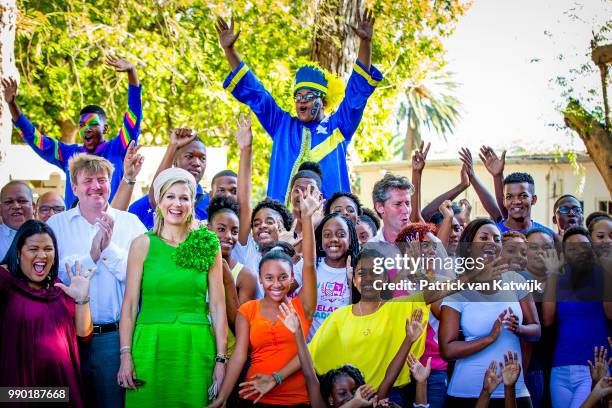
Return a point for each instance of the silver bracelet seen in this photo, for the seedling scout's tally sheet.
(83, 301)
(125, 350)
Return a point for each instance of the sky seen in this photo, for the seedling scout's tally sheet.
(505, 54)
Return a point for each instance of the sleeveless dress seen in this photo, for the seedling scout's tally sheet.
(173, 345)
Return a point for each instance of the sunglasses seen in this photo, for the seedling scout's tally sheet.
(305, 97)
(564, 210)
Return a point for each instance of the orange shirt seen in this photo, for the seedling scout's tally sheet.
(272, 346)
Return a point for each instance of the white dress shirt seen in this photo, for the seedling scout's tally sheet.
(380, 237)
(74, 236)
(6, 238)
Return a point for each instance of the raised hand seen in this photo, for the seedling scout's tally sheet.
(466, 211)
(365, 25)
(415, 325)
(79, 282)
(493, 164)
(363, 396)
(9, 86)
(120, 65)
(181, 137)
(418, 371)
(244, 134)
(106, 224)
(468, 163)
(349, 270)
(553, 262)
(289, 317)
(511, 369)
(419, 157)
(227, 38)
(259, 384)
(132, 163)
(446, 209)
(599, 368)
(491, 379)
(310, 201)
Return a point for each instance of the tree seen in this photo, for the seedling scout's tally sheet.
(430, 104)
(8, 17)
(60, 47)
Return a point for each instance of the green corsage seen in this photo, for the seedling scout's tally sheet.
(198, 251)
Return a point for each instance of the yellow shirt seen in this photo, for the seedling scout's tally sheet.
(368, 342)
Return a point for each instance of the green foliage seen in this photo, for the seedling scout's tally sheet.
(61, 45)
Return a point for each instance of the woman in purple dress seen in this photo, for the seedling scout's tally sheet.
(40, 317)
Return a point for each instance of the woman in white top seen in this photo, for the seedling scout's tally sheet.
(337, 245)
(492, 322)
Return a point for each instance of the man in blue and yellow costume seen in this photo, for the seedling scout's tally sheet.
(311, 136)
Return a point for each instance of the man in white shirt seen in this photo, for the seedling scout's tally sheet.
(99, 237)
(16, 207)
(391, 198)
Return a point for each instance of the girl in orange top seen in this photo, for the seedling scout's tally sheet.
(259, 330)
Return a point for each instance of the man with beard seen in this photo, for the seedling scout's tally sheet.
(16, 207)
(567, 213)
(92, 128)
(519, 196)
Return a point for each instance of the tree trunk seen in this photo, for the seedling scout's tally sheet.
(596, 138)
(8, 23)
(69, 131)
(334, 44)
(602, 56)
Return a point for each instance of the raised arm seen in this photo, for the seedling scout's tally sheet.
(244, 138)
(227, 38)
(418, 164)
(490, 382)
(414, 328)
(444, 229)
(129, 310)
(309, 204)
(365, 30)
(451, 348)
(178, 138)
(49, 149)
(487, 200)
(554, 267)
(495, 166)
(291, 321)
(132, 163)
(510, 370)
(450, 195)
(132, 119)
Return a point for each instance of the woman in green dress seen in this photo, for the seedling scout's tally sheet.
(171, 353)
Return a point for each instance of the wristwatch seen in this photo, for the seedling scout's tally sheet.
(221, 359)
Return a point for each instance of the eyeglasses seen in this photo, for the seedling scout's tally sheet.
(44, 209)
(310, 96)
(564, 210)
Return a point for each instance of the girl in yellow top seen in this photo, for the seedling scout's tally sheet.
(369, 333)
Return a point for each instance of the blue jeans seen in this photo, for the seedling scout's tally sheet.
(569, 385)
(99, 366)
(534, 380)
(437, 383)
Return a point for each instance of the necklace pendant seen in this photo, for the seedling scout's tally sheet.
(366, 332)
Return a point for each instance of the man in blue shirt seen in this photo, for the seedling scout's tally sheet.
(311, 135)
(188, 152)
(519, 196)
(92, 128)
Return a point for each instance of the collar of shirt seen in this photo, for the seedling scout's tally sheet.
(76, 212)
(7, 232)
